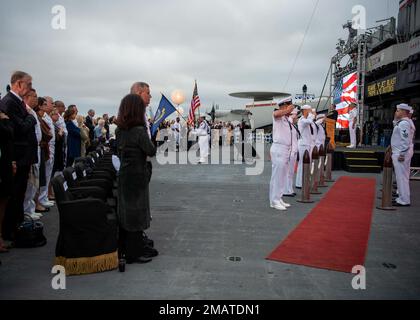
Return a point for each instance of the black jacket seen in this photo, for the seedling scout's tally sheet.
(89, 124)
(25, 145)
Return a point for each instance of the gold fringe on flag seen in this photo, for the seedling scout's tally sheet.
(78, 266)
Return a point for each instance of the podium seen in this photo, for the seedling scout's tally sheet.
(330, 125)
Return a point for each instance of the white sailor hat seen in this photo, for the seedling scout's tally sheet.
(295, 111)
(306, 107)
(404, 106)
(320, 116)
(285, 101)
(412, 110)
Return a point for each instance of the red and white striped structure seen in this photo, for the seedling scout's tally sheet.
(345, 93)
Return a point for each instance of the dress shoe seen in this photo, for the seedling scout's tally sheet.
(48, 204)
(147, 241)
(149, 252)
(396, 204)
(290, 195)
(284, 204)
(139, 260)
(35, 216)
(278, 207)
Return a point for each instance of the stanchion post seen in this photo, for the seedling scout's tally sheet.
(330, 156)
(322, 156)
(386, 203)
(315, 171)
(306, 183)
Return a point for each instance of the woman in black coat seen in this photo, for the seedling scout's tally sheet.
(74, 138)
(7, 168)
(133, 148)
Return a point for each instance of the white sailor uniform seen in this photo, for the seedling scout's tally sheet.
(321, 135)
(306, 142)
(293, 158)
(176, 128)
(401, 143)
(203, 141)
(280, 158)
(352, 119)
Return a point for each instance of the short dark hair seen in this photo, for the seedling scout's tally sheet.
(131, 112)
(41, 101)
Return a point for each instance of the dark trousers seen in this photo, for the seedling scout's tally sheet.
(130, 244)
(14, 211)
(70, 161)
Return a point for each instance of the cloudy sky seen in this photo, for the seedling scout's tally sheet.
(227, 45)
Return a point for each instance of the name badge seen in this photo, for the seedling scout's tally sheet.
(65, 186)
(84, 173)
(74, 175)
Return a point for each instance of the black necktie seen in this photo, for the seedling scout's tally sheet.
(297, 130)
(312, 129)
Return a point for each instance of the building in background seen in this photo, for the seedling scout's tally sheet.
(386, 59)
(393, 71)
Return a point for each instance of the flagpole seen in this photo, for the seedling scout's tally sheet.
(199, 114)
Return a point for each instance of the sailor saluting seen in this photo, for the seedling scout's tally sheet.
(306, 129)
(280, 153)
(402, 152)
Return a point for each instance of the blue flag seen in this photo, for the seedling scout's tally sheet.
(165, 110)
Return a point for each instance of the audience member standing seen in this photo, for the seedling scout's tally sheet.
(46, 191)
(61, 108)
(100, 131)
(7, 167)
(89, 122)
(74, 139)
(60, 137)
(29, 205)
(24, 148)
(134, 146)
(84, 135)
(44, 152)
(106, 125)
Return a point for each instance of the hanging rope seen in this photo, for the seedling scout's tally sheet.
(301, 45)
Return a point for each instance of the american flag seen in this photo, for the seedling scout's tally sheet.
(345, 93)
(195, 104)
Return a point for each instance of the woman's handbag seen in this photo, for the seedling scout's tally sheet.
(30, 234)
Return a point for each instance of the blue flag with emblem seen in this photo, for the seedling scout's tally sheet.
(165, 110)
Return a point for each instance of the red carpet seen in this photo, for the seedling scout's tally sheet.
(335, 234)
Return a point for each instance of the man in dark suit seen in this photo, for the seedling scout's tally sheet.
(90, 125)
(24, 147)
